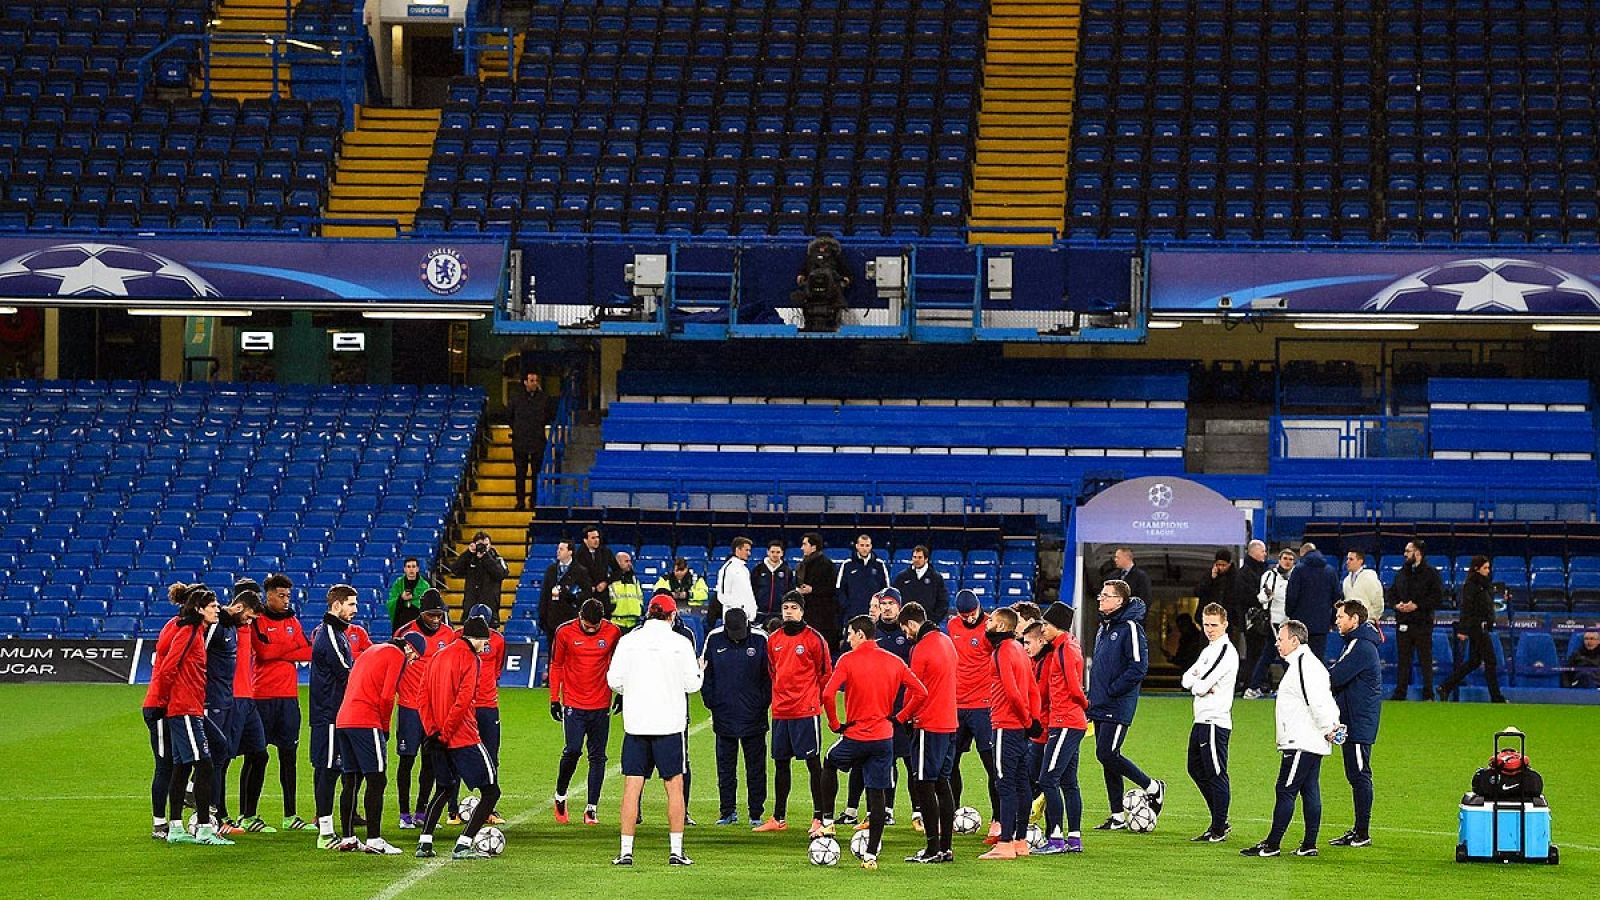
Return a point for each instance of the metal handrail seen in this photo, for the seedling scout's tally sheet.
(348, 51)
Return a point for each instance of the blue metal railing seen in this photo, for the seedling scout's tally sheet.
(347, 52)
(552, 484)
(1350, 437)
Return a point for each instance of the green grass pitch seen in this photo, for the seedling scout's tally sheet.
(77, 776)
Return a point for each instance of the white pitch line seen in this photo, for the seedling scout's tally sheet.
(426, 870)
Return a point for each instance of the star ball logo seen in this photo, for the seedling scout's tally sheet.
(1160, 496)
(444, 271)
(100, 270)
(1489, 285)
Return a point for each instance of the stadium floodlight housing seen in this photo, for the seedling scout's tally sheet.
(647, 273)
(1566, 326)
(448, 315)
(201, 312)
(1357, 326)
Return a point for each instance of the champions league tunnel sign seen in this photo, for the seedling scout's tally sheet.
(1474, 284)
(466, 274)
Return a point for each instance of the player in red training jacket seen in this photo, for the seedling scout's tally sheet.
(870, 678)
(580, 699)
(155, 720)
(449, 718)
(490, 667)
(799, 663)
(1014, 710)
(178, 685)
(279, 642)
(974, 681)
(1065, 717)
(432, 625)
(363, 734)
(933, 661)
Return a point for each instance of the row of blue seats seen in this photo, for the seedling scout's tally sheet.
(927, 474)
(1012, 380)
(1520, 391)
(692, 424)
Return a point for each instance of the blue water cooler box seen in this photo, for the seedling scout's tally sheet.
(1505, 832)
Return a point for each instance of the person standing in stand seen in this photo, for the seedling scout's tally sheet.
(529, 411)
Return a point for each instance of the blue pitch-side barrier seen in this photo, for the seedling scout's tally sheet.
(729, 287)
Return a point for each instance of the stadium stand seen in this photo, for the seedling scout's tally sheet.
(753, 118)
(1251, 121)
(1025, 439)
(86, 164)
(111, 490)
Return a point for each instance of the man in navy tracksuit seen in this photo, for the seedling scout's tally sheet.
(1121, 659)
(737, 690)
(1356, 679)
(1313, 589)
(331, 661)
(860, 578)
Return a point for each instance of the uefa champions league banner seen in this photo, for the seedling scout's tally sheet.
(1476, 283)
(259, 271)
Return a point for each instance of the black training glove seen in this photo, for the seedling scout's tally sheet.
(1034, 729)
(841, 728)
(556, 711)
(616, 706)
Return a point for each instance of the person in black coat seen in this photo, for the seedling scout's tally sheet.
(595, 558)
(1220, 586)
(1476, 627)
(923, 584)
(1417, 592)
(814, 578)
(1313, 589)
(1356, 678)
(1247, 584)
(529, 411)
(566, 586)
(480, 564)
(1126, 571)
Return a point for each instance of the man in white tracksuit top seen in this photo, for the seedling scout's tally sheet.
(1308, 727)
(733, 581)
(1361, 583)
(654, 669)
(1211, 680)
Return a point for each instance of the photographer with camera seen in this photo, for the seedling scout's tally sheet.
(480, 564)
(823, 278)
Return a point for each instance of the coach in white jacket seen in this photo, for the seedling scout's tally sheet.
(1308, 726)
(654, 669)
(733, 581)
(1211, 681)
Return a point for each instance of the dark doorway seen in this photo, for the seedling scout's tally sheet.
(420, 351)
